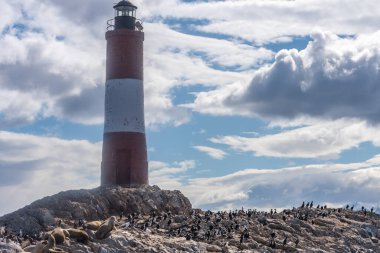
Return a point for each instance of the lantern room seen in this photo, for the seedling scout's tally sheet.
(125, 15)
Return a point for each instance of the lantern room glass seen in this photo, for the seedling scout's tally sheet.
(125, 11)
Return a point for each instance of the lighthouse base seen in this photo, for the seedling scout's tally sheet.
(124, 159)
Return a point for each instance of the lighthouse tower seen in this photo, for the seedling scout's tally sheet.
(124, 157)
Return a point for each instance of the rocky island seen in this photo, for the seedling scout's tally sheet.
(148, 219)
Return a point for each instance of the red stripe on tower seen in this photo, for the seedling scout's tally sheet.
(124, 157)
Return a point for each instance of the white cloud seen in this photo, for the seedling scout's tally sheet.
(8, 17)
(173, 60)
(18, 108)
(333, 184)
(41, 69)
(225, 53)
(270, 21)
(169, 176)
(212, 152)
(332, 78)
(325, 140)
(33, 167)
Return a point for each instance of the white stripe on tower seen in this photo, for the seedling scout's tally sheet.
(124, 107)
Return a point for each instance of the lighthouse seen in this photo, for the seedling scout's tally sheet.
(124, 154)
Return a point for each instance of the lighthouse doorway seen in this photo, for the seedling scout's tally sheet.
(123, 167)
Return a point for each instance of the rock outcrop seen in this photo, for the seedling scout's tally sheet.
(155, 221)
(95, 204)
(10, 247)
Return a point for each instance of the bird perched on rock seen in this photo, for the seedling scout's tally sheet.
(285, 241)
(297, 241)
(241, 238)
(272, 244)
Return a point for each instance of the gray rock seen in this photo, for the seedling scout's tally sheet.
(370, 229)
(363, 233)
(10, 247)
(214, 248)
(94, 204)
(279, 226)
(262, 220)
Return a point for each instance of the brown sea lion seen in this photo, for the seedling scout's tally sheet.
(60, 235)
(48, 247)
(39, 247)
(104, 230)
(93, 225)
(80, 235)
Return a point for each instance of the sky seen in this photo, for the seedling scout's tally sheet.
(255, 103)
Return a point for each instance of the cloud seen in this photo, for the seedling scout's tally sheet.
(17, 108)
(212, 152)
(169, 176)
(333, 184)
(224, 53)
(38, 69)
(33, 167)
(332, 78)
(325, 140)
(272, 21)
(86, 107)
(62, 62)
(174, 60)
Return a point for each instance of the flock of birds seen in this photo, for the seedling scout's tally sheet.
(197, 225)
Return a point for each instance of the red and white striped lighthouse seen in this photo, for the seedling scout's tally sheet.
(124, 157)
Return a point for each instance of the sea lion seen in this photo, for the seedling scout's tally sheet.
(39, 247)
(48, 246)
(93, 225)
(104, 230)
(60, 235)
(80, 235)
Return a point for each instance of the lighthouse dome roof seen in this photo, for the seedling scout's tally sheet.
(125, 3)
